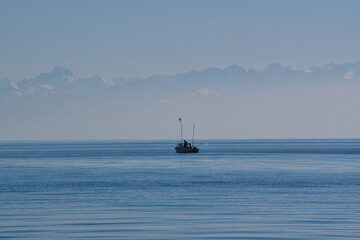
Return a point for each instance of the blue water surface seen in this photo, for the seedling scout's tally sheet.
(232, 189)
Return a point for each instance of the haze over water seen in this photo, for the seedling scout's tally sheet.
(260, 189)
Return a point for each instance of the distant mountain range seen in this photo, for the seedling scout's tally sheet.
(234, 102)
(62, 81)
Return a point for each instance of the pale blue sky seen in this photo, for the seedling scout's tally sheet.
(141, 38)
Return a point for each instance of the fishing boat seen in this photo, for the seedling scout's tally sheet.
(184, 146)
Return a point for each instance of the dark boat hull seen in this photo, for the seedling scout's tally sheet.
(182, 149)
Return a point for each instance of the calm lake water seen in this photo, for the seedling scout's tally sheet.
(261, 189)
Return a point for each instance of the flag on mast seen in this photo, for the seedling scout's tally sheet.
(180, 119)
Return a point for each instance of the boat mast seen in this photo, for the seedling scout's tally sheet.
(181, 134)
(193, 134)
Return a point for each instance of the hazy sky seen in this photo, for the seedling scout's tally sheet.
(141, 38)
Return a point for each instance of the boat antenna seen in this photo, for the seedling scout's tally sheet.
(193, 134)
